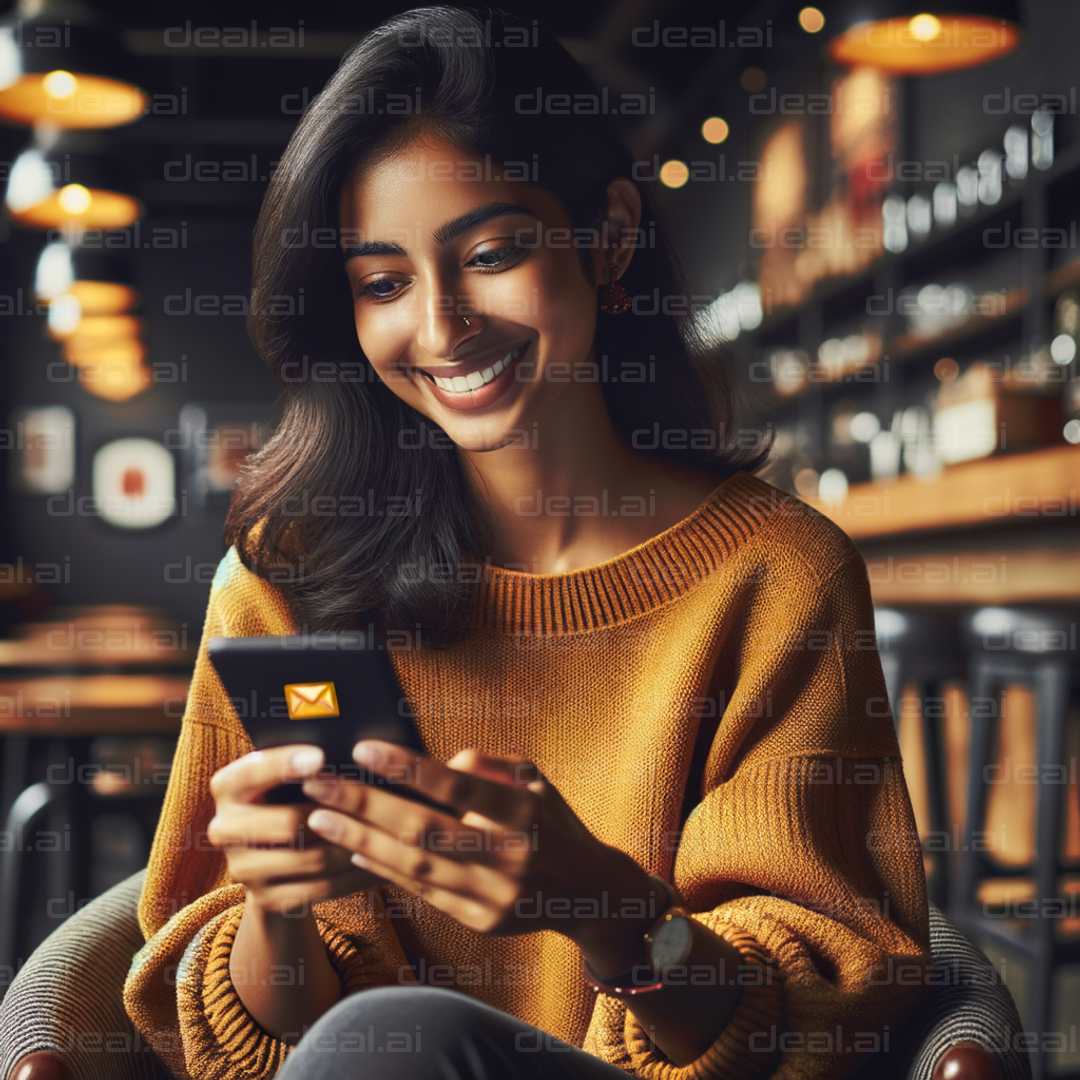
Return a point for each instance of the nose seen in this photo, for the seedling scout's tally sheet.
(443, 328)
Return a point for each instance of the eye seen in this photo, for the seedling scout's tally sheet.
(380, 289)
(488, 260)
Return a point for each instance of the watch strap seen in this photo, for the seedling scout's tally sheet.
(641, 978)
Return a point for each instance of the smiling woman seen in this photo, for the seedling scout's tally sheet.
(627, 859)
(441, 183)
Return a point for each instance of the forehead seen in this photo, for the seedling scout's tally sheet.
(429, 179)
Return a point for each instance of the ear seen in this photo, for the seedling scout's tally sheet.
(621, 221)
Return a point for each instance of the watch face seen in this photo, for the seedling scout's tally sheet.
(671, 942)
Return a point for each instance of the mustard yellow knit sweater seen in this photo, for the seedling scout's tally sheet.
(710, 702)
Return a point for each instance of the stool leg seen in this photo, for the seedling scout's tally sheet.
(984, 688)
(933, 756)
(1051, 685)
(894, 683)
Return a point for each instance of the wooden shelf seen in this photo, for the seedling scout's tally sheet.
(103, 636)
(1037, 574)
(1057, 281)
(1040, 486)
(84, 705)
(912, 346)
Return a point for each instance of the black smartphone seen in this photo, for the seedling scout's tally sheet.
(328, 689)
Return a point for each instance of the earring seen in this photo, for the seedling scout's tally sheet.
(467, 323)
(614, 299)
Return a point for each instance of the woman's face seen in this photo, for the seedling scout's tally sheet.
(433, 237)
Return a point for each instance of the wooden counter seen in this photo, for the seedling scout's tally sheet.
(1001, 530)
(1037, 486)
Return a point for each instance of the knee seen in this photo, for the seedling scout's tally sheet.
(406, 1009)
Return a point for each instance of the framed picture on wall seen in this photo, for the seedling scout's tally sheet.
(134, 483)
(215, 438)
(41, 442)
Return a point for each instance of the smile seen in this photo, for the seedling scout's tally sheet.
(464, 384)
(473, 388)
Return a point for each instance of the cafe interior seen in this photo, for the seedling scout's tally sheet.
(875, 207)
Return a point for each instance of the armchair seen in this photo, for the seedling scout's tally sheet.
(63, 1016)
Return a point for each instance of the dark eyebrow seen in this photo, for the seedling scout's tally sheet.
(444, 233)
(453, 229)
(373, 247)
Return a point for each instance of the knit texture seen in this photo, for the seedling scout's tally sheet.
(726, 671)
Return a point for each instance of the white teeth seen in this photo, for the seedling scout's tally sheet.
(460, 384)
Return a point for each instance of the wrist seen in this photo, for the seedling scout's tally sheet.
(629, 902)
(275, 924)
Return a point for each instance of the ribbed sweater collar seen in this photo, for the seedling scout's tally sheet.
(648, 575)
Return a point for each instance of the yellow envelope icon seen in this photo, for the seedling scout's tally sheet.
(309, 701)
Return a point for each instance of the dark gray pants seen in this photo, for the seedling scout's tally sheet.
(427, 1033)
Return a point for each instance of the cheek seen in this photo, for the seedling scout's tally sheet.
(564, 298)
(382, 339)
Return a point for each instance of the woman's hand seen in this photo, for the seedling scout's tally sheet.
(269, 849)
(514, 860)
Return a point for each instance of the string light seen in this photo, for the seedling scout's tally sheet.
(674, 173)
(715, 130)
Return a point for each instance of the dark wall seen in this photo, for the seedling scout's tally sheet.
(193, 358)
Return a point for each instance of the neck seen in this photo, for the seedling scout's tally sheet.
(540, 505)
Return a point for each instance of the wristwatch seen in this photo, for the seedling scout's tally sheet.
(667, 944)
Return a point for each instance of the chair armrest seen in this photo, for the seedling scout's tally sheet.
(65, 1008)
(966, 1024)
(964, 1061)
(41, 1065)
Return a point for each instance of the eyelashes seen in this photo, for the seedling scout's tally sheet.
(507, 253)
(377, 290)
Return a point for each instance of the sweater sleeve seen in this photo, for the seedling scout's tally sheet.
(802, 852)
(179, 991)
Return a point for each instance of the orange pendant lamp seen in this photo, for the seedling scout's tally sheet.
(91, 296)
(62, 65)
(64, 181)
(912, 38)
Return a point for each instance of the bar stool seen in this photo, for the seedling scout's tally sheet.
(921, 648)
(1036, 648)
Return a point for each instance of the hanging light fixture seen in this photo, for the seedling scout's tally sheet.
(100, 280)
(60, 63)
(91, 295)
(60, 182)
(913, 38)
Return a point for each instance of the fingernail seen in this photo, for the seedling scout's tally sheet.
(324, 824)
(358, 860)
(369, 755)
(306, 759)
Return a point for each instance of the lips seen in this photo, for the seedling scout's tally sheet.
(468, 386)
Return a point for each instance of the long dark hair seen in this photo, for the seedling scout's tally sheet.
(341, 509)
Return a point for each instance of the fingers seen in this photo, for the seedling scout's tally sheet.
(248, 778)
(411, 825)
(474, 911)
(294, 897)
(506, 770)
(504, 799)
(277, 867)
(252, 825)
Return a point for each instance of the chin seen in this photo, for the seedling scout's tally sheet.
(481, 444)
